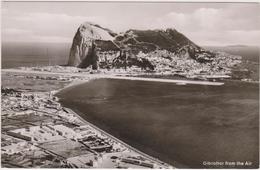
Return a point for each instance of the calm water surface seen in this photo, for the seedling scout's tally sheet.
(187, 124)
(18, 54)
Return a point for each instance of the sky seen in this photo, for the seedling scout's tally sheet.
(203, 23)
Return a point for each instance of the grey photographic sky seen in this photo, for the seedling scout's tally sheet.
(203, 23)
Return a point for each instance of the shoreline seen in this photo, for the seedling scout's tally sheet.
(116, 139)
(129, 149)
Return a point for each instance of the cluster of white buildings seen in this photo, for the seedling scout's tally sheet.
(167, 62)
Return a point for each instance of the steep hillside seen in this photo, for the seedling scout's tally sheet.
(82, 50)
(158, 50)
(169, 39)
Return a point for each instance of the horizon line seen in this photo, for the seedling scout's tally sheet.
(202, 45)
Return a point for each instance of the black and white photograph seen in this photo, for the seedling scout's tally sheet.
(130, 84)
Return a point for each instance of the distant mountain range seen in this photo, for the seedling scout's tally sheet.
(237, 45)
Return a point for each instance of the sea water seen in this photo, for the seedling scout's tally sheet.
(187, 124)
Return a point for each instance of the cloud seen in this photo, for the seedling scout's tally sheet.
(210, 19)
(50, 18)
(204, 24)
(15, 31)
(215, 26)
(53, 39)
(35, 38)
(203, 18)
(42, 25)
(244, 37)
(226, 37)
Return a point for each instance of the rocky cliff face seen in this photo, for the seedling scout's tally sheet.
(90, 38)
